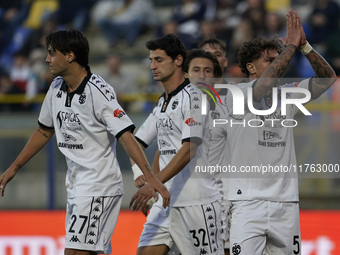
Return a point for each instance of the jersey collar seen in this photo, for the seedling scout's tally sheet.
(82, 85)
(178, 89)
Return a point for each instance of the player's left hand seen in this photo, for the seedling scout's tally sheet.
(140, 181)
(6, 177)
(141, 198)
(303, 35)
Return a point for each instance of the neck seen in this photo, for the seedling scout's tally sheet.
(74, 77)
(173, 82)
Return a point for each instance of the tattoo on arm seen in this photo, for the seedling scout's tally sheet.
(148, 167)
(18, 166)
(280, 64)
(325, 75)
(41, 131)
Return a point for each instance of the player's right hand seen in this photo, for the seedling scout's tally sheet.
(155, 185)
(293, 29)
(5, 178)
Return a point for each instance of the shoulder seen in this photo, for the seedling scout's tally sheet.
(57, 82)
(101, 88)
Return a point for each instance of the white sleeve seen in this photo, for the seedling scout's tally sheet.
(108, 111)
(147, 133)
(194, 120)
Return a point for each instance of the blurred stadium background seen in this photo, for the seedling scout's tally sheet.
(32, 211)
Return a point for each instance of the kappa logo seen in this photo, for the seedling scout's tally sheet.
(196, 106)
(98, 201)
(75, 239)
(93, 225)
(68, 137)
(236, 249)
(91, 233)
(95, 217)
(59, 94)
(203, 251)
(82, 99)
(270, 135)
(90, 241)
(118, 113)
(195, 99)
(174, 104)
(208, 209)
(211, 225)
(191, 122)
(96, 209)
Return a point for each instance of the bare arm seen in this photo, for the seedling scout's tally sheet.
(37, 141)
(135, 152)
(293, 38)
(177, 163)
(325, 75)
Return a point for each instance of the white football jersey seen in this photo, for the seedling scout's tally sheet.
(256, 148)
(174, 121)
(219, 148)
(87, 124)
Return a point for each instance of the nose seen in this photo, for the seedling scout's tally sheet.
(201, 76)
(152, 65)
(48, 58)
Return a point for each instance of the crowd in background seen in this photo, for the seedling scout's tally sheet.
(24, 25)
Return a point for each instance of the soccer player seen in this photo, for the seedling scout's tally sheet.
(192, 221)
(82, 110)
(219, 148)
(265, 208)
(216, 47)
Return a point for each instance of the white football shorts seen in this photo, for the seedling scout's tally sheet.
(260, 227)
(90, 222)
(194, 229)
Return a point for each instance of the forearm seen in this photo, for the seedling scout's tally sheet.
(37, 141)
(135, 152)
(178, 162)
(269, 77)
(155, 163)
(325, 75)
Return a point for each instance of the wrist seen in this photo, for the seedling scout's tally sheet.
(305, 49)
(136, 171)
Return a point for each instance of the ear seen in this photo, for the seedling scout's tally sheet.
(186, 75)
(251, 68)
(70, 56)
(179, 60)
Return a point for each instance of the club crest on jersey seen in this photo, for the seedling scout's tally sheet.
(59, 94)
(191, 122)
(215, 115)
(82, 98)
(118, 113)
(174, 104)
(236, 249)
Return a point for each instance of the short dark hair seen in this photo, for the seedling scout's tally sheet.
(213, 42)
(195, 53)
(70, 40)
(170, 43)
(251, 50)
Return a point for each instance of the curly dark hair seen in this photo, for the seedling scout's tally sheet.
(170, 43)
(195, 53)
(251, 51)
(70, 40)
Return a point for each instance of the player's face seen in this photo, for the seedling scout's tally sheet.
(261, 64)
(219, 54)
(58, 62)
(162, 65)
(200, 69)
